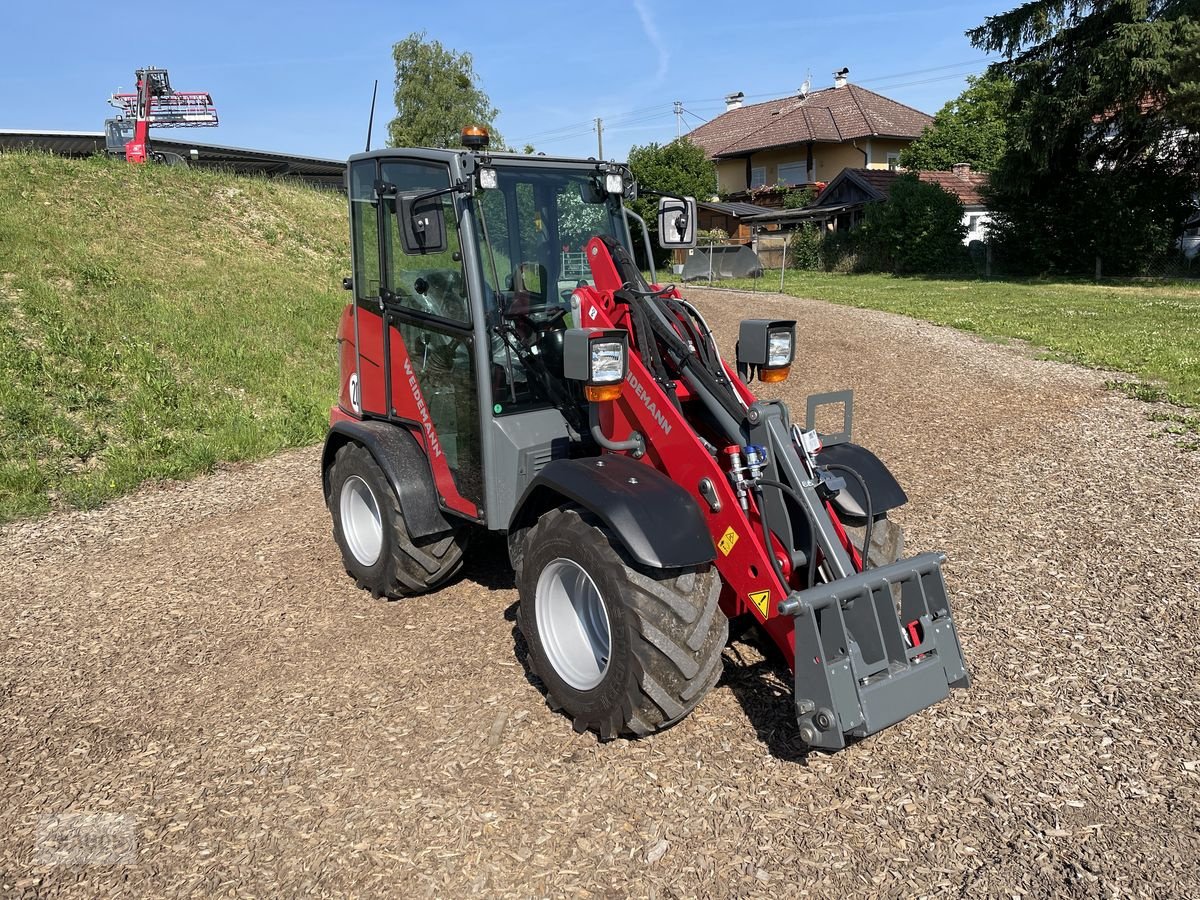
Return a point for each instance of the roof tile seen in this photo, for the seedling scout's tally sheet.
(832, 115)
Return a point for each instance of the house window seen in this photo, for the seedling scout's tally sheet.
(893, 161)
(793, 173)
(758, 176)
(973, 223)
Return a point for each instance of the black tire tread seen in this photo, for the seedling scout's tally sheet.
(678, 634)
(416, 566)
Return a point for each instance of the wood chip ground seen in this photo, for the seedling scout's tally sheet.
(193, 657)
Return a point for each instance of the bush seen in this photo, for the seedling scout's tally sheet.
(798, 198)
(804, 251)
(840, 252)
(919, 229)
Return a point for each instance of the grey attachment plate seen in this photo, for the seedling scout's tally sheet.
(816, 401)
(853, 662)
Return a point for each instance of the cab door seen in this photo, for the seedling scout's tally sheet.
(416, 343)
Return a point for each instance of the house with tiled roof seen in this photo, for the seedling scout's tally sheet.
(807, 138)
(841, 204)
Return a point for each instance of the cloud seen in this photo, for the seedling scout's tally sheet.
(655, 39)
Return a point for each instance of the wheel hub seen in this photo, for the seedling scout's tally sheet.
(572, 621)
(362, 522)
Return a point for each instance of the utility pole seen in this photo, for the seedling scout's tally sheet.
(678, 118)
(599, 138)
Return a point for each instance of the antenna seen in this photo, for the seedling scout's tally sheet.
(371, 118)
(807, 84)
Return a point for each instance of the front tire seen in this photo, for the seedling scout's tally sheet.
(622, 649)
(377, 550)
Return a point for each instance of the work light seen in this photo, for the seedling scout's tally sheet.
(614, 183)
(766, 346)
(488, 180)
(779, 348)
(599, 358)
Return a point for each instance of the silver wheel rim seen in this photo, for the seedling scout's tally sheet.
(573, 624)
(362, 523)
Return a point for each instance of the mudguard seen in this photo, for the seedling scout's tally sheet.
(403, 462)
(886, 492)
(658, 521)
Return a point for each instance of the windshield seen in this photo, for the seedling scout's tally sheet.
(532, 229)
(534, 226)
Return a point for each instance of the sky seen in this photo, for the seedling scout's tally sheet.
(297, 77)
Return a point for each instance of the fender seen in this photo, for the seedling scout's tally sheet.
(656, 520)
(886, 492)
(405, 465)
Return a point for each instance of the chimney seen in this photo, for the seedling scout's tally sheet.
(839, 77)
(734, 101)
(961, 169)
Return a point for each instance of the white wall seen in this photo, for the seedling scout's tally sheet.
(982, 218)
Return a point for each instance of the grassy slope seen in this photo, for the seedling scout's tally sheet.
(1151, 330)
(154, 321)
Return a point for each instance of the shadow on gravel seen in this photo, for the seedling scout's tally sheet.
(486, 562)
(762, 686)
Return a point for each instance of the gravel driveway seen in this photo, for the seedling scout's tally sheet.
(193, 662)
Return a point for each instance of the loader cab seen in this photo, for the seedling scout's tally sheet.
(117, 133)
(457, 335)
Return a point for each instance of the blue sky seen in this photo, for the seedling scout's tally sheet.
(297, 77)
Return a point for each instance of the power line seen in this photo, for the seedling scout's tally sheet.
(633, 116)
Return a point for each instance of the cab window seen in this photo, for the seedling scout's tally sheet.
(434, 283)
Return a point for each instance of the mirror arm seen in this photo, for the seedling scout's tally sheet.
(629, 213)
(459, 186)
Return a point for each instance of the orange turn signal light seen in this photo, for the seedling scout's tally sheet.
(773, 376)
(597, 393)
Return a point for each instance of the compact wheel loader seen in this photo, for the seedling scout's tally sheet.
(505, 366)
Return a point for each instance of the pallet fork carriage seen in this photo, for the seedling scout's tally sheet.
(505, 366)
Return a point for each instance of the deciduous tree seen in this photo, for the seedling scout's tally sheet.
(437, 95)
(679, 167)
(971, 128)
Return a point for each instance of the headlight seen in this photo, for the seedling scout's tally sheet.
(614, 183)
(608, 362)
(779, 348)
(488, 180)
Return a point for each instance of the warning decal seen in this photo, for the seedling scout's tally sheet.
(762, 600)
(728, 539)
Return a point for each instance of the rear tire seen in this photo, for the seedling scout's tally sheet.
(622, 649)
(887, 542)
(377, 550)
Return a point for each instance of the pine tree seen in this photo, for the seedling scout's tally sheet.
(1102, 153)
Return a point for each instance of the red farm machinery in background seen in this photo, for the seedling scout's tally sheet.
(154, 104)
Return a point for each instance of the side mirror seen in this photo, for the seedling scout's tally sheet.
(422, 223)
(676, 223)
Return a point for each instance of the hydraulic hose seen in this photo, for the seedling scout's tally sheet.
(862, 483)
(635, 443)
(812, 550)
(766, 532)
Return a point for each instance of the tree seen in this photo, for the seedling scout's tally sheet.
(972, 128)
(437, 95)
(679, 167)
(1102, 155)
(919, 228)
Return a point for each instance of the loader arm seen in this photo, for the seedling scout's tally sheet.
(861, 661)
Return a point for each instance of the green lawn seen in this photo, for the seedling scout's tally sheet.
(1150, 330)
(155, 321)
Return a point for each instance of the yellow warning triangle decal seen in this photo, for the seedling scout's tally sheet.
(762, 600)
